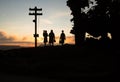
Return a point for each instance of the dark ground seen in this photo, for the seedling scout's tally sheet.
(66, 63)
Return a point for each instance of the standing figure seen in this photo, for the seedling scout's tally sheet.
(62, 38)
(45, 35)
(51, 37)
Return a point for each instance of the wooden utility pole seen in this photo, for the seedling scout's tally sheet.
(35, 21)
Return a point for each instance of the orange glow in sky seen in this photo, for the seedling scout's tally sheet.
(17, 28)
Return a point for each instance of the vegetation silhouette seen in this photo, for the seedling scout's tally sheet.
(96, 17)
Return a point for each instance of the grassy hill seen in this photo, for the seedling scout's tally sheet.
(61, 62)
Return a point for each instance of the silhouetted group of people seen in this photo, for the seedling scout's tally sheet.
(51, 36)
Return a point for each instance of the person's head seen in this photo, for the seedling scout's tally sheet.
(62, 31)
(51, 30)
(45, 31)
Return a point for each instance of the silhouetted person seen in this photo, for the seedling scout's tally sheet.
(62, 38)
(51, 37)
(45, 35)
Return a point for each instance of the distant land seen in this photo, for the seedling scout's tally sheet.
(8, 47)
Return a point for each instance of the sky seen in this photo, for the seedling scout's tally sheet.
(17, 28)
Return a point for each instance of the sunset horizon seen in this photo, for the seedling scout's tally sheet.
(17, 27)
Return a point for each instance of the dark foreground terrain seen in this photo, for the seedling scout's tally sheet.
(66, 63)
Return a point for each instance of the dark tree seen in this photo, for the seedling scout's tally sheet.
(99, 19)
(115, 22)
(78, 19)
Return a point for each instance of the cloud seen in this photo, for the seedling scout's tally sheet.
(13, 40)
(70, 39)
(60, 14)
(6, 38)
(25, 41)
(46, 21)
(49, 20)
